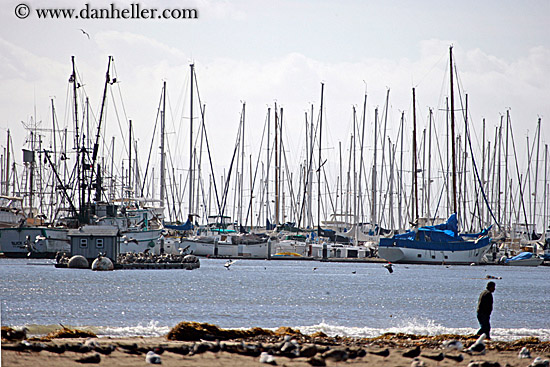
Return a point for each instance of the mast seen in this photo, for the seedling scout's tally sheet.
(130, 159)
(374, 179)
(429, 165)
(267, 169)
(415, 163)
(453, 148)
(319, 171)
(276, 168)
(192, 66)
(162, 162)
(8, 164)
(98, 134)
(536, 180)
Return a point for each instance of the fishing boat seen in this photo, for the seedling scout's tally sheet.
(439, 244)
(524, 259)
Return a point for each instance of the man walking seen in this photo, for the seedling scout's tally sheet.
(484, 309)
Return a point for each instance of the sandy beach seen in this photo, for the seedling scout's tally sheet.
(287, 350)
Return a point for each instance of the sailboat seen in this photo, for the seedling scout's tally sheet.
(442, 243)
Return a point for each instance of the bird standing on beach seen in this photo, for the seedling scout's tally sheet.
(524, 353)
(452, 344)
(152, 358)
(478, 347)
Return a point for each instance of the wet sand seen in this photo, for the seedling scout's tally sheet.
(245, 352)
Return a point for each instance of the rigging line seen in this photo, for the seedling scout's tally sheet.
(255, 172)
(152, 142)
(517, 170)
(479, 180)
(202, 109)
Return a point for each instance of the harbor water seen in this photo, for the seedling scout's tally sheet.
(346, 299)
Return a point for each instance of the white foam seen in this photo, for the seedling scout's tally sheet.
(421, 327)
(152, 329)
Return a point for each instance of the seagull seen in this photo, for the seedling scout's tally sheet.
(86, 33)
(478, 346)
(524, 353)
(452, 344)
(152, 358)
(14, 334)
(412, 353)
(229, 263)
(389, 266)
(539, 362)
(267, 358)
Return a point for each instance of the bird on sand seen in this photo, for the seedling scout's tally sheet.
(389, 266)
(14, 334)
(152, 358)
(229, 263)
(524, 353)
(84, 32)
(478, 347)
(412, 353)
(382, 353)
(539, 362)
(94, 358)
(452, 344)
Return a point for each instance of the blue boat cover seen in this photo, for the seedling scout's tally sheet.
(182, 227)
(521, 256)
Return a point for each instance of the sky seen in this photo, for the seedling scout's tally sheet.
(266, 52)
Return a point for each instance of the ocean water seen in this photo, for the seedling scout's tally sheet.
(346, 299)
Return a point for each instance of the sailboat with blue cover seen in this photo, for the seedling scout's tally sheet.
(439, 244)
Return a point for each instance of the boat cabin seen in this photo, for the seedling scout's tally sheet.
(89, 241)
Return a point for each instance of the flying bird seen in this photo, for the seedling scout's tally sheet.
(86, 33)
(389, 266)
(229, 263)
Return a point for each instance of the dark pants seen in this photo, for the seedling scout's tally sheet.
(485, 326)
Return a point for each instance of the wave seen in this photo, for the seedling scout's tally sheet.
(422, 327)
(415, 326)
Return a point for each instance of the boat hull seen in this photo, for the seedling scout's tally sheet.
(418, 252)
(36, 242)
(209, 248)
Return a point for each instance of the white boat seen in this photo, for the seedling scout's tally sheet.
(11, 211)
(36, 241)
(440, 244)
(524, 259)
